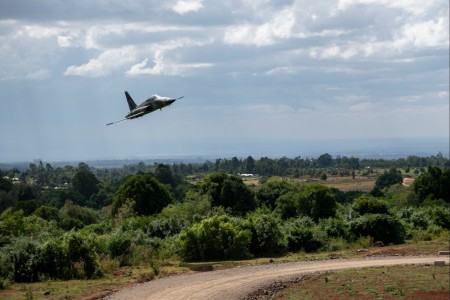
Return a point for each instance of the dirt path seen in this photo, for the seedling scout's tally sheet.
(240, 281)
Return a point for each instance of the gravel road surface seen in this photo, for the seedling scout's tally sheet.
(240, 281)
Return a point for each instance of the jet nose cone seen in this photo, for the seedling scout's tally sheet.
(170, 101)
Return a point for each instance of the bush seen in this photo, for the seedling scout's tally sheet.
(119, 245)
(163, 228)
(55, 261)
(300, 236)
(81, 251)
(268, 192)
(216, 238)
(317, 202)
(388, 178)
(440, 216)
(21, 261)
(267, 232)
(370, 205)
(381, 227)
(335, 228)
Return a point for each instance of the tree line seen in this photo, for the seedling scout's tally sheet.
(73, 222)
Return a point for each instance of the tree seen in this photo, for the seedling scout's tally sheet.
(434, 183)
(84, 181)
(325, 160)
(163, 174)
(248, 165)
(148, 194)
(267, 233)
(317, 202)
(268, 193)
(370, 205)
(228, 191)
(216, 238)
(388, 178)
(380, 227)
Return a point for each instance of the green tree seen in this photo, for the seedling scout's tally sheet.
(316, 201)
(163, 174)
(228, 191)
(216, 238)
(434, 183)
(388, 178)
(147, 193)
(380, 227)
(268, 192)
(325, 160)
(84, 181)
(370, 205)
(267, 232)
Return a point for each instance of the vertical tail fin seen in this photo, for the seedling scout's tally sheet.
(130, 101)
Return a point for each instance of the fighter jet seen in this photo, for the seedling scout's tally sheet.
(150, 105)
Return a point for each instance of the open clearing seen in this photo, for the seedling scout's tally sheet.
(411, 282)
(238, 282)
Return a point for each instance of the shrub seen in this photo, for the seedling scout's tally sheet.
(285, 205)
(81, 251)
(21, 261)
(162, 228)
(119, 245)
(316, 201)
(268, 192)
(267, 232)
(388, 178)
(440, 215)
(301, 237)
(216, 238)
(370, 205)
(335, 228)
(381, 227)
(55, 261)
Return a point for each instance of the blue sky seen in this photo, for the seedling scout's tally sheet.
(254, 73)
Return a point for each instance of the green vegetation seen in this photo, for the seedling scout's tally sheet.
(84, 223)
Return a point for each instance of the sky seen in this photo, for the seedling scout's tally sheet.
(258, 77)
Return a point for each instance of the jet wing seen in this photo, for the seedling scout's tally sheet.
(116, 122)
(139, 114)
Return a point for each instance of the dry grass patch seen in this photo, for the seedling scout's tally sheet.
(410, 282)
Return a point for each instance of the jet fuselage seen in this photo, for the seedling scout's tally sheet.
(150, 105)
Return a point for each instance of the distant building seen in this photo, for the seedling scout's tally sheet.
(247, 175)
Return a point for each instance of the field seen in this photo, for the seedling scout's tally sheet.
(410, 282)
(345, 184)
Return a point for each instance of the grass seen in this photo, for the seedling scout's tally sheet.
(410, 282)
(345, 184)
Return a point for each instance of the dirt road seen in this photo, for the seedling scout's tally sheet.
(240, 281)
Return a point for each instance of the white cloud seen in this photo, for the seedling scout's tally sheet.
(443, 94)
(39, 32)
(65, 41)
(269, 109)
(108, 62)
(40, 74)
(161, 67)
(365, 106)
(415, 7)
(278, 27)
(431, 33)
(184, 6)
